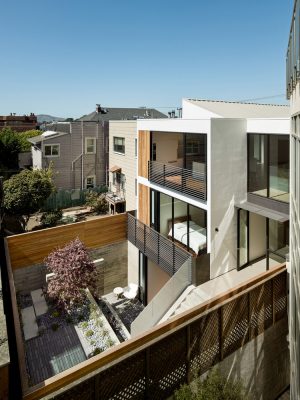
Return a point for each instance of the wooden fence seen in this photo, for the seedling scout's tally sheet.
(153, 365)
(31, 248)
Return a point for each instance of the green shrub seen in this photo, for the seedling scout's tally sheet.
(213, 387)
(97, 351)
(69, 319)
(55, 314)
(89, 333)
(51, 218)
(54, 327)
(109, 342)
(97, 202)
(84, 325)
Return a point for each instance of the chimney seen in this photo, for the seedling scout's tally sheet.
(98, 108)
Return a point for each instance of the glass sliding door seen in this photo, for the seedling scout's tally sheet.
(278, 246)
(243, 238)
(258, 164)
(165, 214)
(279, 167)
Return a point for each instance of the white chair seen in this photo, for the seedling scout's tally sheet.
(131, 291)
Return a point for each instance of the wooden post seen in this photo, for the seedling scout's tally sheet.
(221, 333)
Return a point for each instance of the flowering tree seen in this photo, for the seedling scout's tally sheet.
(73, 271)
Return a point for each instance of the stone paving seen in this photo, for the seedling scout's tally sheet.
(53, 352)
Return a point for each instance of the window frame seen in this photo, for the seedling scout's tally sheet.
(86, 145)
(123, 145)
(51, 145)
(86, 181)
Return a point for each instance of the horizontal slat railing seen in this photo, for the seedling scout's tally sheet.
(191, 183)
(153, 365)
(156, 247)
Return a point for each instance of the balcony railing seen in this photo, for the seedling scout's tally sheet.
(156, 247)
(191, 183)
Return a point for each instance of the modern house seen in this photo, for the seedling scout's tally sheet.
(19, 123)
(79, 150)
(292, 87)
(216, 184)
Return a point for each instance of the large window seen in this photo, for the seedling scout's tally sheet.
(268, 166)
(119, 145)
(51, 150)
(179, 221)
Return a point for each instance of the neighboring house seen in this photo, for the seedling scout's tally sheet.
(216, 183)
(79, 157)
(122, 166)
(293, 90)
(19, 123)
(79, 149)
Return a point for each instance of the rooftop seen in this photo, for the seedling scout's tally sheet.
(231, 109)
(110, 114)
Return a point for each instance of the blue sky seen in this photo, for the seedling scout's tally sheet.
(61, 57)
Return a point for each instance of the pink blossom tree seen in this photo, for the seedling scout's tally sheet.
(73, 272)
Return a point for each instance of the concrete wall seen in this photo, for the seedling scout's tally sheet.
(112, 272)
(133, 264)
(157, 278)
(128, 162)
(257, 236)
(228, 183)
(262, 364)
(167, 145)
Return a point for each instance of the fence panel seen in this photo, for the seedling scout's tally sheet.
(69, 198)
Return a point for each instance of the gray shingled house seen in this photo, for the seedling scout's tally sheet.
(79, 149)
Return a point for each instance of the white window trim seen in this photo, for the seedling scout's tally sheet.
(85, 147)
(87, 177)
(117, 152)
(51, 145)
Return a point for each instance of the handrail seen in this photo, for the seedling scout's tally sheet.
(159, 249)
(163, 300)
(134, 345)
(189, 182)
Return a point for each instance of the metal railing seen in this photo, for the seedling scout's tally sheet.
(156, 247)
(293, 52)
(191, 183)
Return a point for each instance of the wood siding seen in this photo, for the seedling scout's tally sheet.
(144, 153)
(32, 248)
(144, 204)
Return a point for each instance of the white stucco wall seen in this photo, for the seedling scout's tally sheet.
(191, 111)
(228, 182)
(133, 264)
(36, 158)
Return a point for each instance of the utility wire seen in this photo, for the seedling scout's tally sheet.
(262, 98)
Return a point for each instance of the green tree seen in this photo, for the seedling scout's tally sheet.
(10, 147)
(26, 192)
(213, 387)
(23, 136)
(97, 202)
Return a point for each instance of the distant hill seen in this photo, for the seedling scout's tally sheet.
(48, 118)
